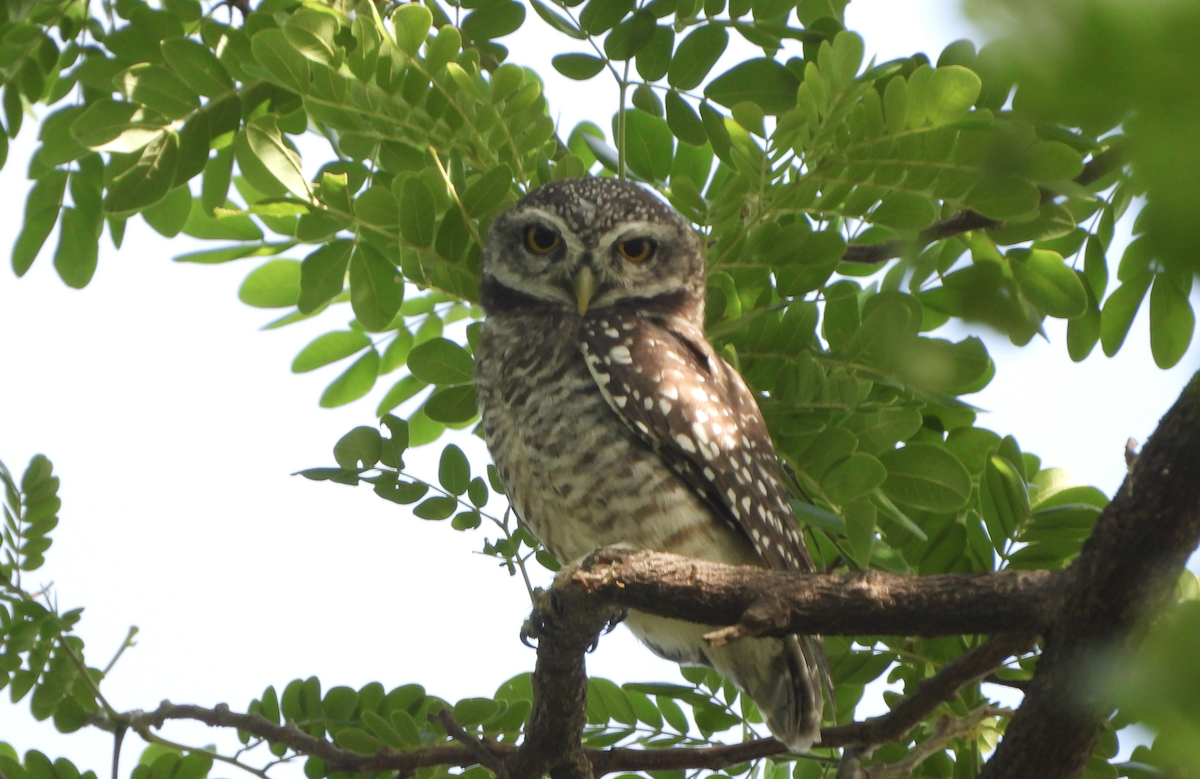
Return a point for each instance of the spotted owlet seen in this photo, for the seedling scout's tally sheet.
(612, 422)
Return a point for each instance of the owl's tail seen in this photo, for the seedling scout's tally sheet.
(783, 678)
(781, 675)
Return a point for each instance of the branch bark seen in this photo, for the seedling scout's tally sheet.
(1121, 579)
(756, 601)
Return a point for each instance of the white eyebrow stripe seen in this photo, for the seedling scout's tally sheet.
(535, 214)
(655, 230)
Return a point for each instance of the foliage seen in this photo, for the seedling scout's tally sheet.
(831, 193)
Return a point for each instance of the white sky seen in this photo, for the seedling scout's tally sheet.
(174, 425)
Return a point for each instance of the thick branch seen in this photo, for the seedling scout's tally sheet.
(765, 602)
(565, 631)
(1124, 575)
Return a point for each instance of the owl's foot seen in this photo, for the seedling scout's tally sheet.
(550, 617)
(540, 622)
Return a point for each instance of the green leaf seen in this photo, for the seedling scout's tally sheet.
(288, 67)
(197, 66)
(616, 701)
(402, 492)
(475, 711)
(599, 16)
(558, 22)
(358, 450)
(275, 284)
(762, 81)
(227, 224)
(493, 19)
(579, 67)
(378, 206)
(696, 55)
(376, 288)
(411, 23)
(281, 161)
(312, 34)
(158, 89)
(357, 381)
(194, 765)
(436, 508)
(683, 120)
(648, 146)
(323, 275)
(417, 213)
(58, 144)
(1120, 309)
(454, 472)
(442, 362)
(357, 740)
(328, 348)
(486, 194)
(169, 215)
(453, 236)
(631, 35)
(1172, 320)
(952, 92)
(926, 476)
(148, 180)
(809, 261)
(861, 519)
(453, 405)
(1003, 500)
(655, 59)
(1053, 287)
(1003, 197)
(905, 211)
(41, 213)
(852, 478)
(75, 257)
(107, 125)
(1052, 161)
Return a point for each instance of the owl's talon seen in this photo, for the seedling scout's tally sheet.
(616, 619)
(541, 619)
(527, 631)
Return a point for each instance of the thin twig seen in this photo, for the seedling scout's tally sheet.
(126, 644)
(486, 758)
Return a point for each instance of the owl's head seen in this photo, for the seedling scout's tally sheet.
(588, 245)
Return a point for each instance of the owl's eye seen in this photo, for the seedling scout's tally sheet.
(541, 240)
(637, 249)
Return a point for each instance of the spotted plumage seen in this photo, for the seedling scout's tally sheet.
(612, 421)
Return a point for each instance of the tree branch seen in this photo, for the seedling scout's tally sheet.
(757, 601)
(567, 624)
(1123, 576)
(566, 631)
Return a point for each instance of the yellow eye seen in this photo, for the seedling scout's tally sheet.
(541, 240)
(637, 249)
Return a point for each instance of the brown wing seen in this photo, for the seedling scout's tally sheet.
(672, 389)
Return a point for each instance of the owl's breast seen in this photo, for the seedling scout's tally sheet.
(576, 474)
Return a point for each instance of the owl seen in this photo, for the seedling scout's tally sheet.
(613, 422)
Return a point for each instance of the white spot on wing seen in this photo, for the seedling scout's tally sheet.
(684, 442)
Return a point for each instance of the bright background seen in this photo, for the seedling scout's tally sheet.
(175, 426)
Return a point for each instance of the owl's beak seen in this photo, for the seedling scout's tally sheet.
(585, 285)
